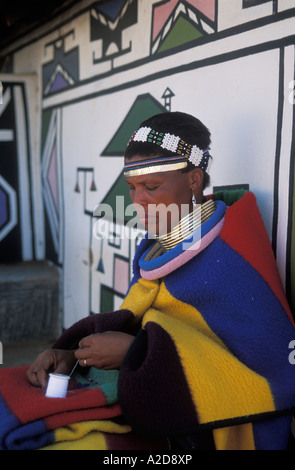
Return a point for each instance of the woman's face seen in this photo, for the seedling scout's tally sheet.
(160, 199)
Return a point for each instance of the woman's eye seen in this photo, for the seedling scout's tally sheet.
(151, 188)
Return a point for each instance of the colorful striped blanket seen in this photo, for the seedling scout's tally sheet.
(209, 363)
(211, 349)
(88, 418)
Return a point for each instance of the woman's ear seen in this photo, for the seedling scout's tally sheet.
(196, 184)
(196, 179)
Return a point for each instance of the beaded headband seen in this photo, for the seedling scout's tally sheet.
(185, 153)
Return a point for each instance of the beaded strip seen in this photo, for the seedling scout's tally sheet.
(173, 143)
(187, 226)
(154, 165)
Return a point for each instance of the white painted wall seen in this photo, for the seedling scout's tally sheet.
(231, 80)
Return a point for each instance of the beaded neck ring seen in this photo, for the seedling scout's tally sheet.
(184, 153)
(187, 226)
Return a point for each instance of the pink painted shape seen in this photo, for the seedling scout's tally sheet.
(207, 7)
(161, 15)
(52, 177)
(162, 12)
(121, 275)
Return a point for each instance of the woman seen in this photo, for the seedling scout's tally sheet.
(201, 339)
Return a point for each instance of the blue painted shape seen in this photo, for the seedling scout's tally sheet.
(3, 208)
(111, 8)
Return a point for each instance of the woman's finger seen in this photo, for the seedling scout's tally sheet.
(82, 353)
(85, 362)
(86, 342)
(83, 356)
(42, 378)
(37, 377)
(33, 378)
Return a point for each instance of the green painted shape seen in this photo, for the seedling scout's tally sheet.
(46, 116)
(144, 107)
(106, 299)
(182, 32)
(119, 188)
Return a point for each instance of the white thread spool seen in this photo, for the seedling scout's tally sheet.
(57, 386)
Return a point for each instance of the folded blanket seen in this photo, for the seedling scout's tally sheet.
(88, 418)
(212, 335)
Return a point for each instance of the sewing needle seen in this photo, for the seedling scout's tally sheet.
(77, 362)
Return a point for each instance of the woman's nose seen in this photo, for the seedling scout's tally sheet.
(139, 197)
(139, 202)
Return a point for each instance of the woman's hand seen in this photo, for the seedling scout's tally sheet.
(104, 350)
(55, 360)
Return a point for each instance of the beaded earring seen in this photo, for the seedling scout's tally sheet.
(194, 201)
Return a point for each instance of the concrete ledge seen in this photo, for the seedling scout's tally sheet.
(23, 353)
(29, 302)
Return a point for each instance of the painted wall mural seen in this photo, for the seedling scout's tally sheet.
(178, 23)
(102, 72)
(16, 234)
(108, 20)
(63, 70)
(52, 185)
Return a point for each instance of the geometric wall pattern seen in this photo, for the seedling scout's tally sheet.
(8, 201)
(109, 67)
(63, 70)
(178, 22)
(16, 234)
(51, 168)
(8, 208)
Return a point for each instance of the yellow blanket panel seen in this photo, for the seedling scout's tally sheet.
(221, 386)
(86, 435)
